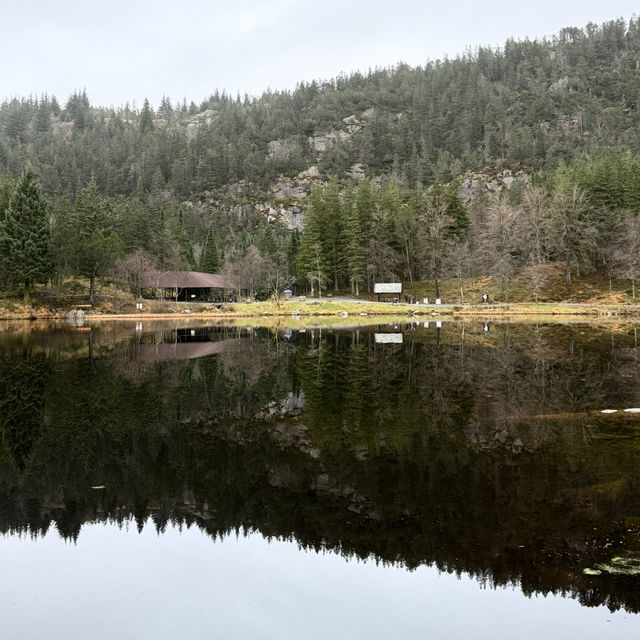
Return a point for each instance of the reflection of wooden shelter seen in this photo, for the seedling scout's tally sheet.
(181, 351)
(188, 343)
(189, 286)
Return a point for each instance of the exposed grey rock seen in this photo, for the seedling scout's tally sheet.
(351, 120)
(291, 434)
(356, 171)
(320, 141)
(311, 172)
(566, 123)
(63, 129)
(291, 188)
(291, 405)
(75, 317)
(292, 217)
(278, 150)
(352, 124)
(561, 84)
(238, 189)
(282, 149)
(491, 184)
(205, 118)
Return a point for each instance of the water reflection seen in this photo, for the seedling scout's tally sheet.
(181, 585)
(484, 453)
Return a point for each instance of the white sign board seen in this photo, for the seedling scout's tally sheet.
(387, 287)
(388, 338)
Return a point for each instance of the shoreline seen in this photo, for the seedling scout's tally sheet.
(340, 309)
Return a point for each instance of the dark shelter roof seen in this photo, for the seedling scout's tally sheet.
(184, 280)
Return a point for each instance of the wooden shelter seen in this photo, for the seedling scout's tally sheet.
(189, 286)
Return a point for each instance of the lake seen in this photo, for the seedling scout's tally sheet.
(432, 479)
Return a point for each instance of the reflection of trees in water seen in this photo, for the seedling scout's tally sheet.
(362, 394)
(23, 383)
(379, 463)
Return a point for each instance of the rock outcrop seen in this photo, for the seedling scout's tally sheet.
(474, 182)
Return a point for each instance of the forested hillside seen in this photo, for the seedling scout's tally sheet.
(486, 163)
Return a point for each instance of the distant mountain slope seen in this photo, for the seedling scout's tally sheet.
(531, 105)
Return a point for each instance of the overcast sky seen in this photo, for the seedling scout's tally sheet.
(122, 51)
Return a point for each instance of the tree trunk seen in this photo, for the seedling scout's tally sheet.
(27, 294)
(406, 246)
(437, 288)
(610, 277)
(91, 286)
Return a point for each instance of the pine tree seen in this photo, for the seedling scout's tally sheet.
(146, 117)
(24, 235)
(333, 234)
(447, 196)
(96, 243)
(62, 238)
(43, 116)
(181, 243)
(355, 250)
(311, 262)
(7, 185)
(210, 259)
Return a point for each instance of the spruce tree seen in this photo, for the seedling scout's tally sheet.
(96, 244)
(312, 263)
(146, 117)
(7, 185)
(356, 250)
(24, 235)
(210, 259)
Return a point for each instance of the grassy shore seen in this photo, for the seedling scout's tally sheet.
(590, 296)
(331, 309)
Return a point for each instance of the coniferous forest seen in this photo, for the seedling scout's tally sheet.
(499, 162)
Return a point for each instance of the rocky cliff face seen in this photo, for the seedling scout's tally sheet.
(474, 183)
(192, 124)
(290, 193)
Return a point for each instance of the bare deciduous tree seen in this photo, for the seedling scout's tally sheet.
(458, 260)
(573, 229)
(250, 272)
(533, 235)
(433, 236)
(626, 252)
(498, 246)
(131, 269)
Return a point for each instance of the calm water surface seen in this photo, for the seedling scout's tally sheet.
(183, 480)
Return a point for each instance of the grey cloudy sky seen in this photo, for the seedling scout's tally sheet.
(123, 51)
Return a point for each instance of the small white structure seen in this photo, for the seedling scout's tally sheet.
(389, 338)
(387, 287)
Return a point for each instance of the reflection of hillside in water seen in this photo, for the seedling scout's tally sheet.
(482, 453)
